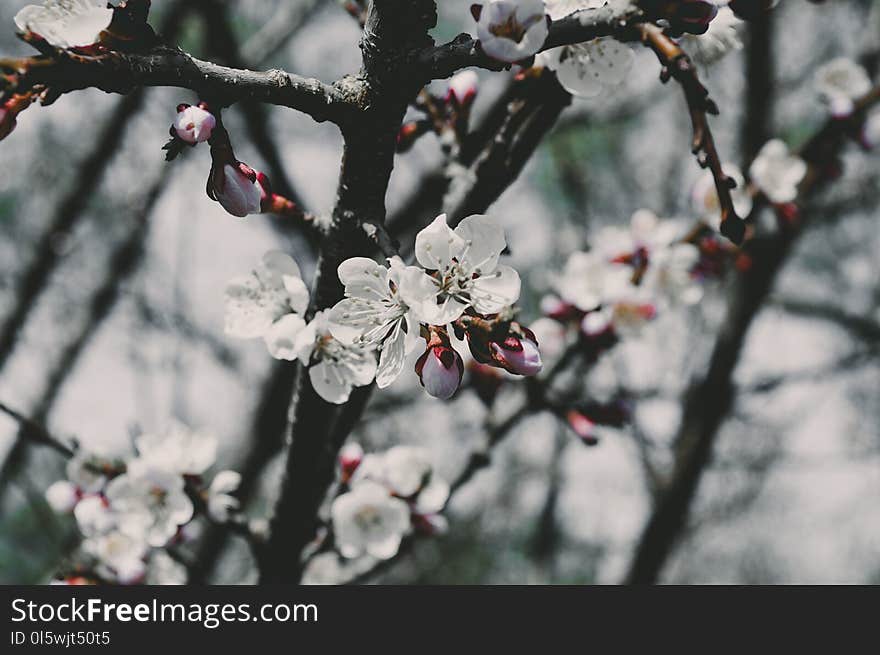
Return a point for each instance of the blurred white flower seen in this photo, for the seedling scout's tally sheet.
(334, 367)
(122, 553)
(670, 275)
(645, 233)
(178, 449)
(66, 23)
(511, 30)
(704, 196)
(368, 519)
(720, 39)
(589, 279)
(468, 272)
(268, 304)
(839, 83)
(221, 502)
(378, 310)
(149, 503)
(83, 470)
(93, 516)
(588, 69)
(162, 569)
(777, 172)
(62, 496)
(194, 124)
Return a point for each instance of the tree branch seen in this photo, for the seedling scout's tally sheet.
(168, 66)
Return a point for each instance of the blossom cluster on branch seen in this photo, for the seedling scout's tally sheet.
(132, 512)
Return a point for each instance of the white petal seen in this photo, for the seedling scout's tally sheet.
(392, 357)
(298, 293)
(494, 292)
(281, 337)
(484, 241)
(329, 383)
(437, 244)
(226, 482)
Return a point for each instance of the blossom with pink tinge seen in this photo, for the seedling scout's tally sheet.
(841, 82)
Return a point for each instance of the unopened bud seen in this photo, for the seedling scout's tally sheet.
(234, 185)
(350, 457)
(463, 88)
(518, 355)
(440, 369)
(194, 123)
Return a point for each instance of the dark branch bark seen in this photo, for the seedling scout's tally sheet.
(167, 66)
(393, 29)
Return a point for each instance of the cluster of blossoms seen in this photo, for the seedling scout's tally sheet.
(130, 512)
(393, 310)
(385, 497)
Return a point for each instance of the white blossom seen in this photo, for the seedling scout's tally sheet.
(162, 569)
(369, 520)
(551, 334)
(777, 172)
(66, 23)
(93, 516)
(704, 196)
(839, 83)
(149, 502)
(670, 275)
(512, 30)
(178, 449)
(122, 553)
(589, 279)
(268, 304)
(334, 367)
(468, 271)
(83, 470)
(719, 40)
(377, 310)
(221, 502)
(588, 69)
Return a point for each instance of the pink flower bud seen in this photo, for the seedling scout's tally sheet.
(463, 88)
(194, 124)
(519, 356)
(234, 185)
(350, 458)
(62, 496)
(440, 369)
